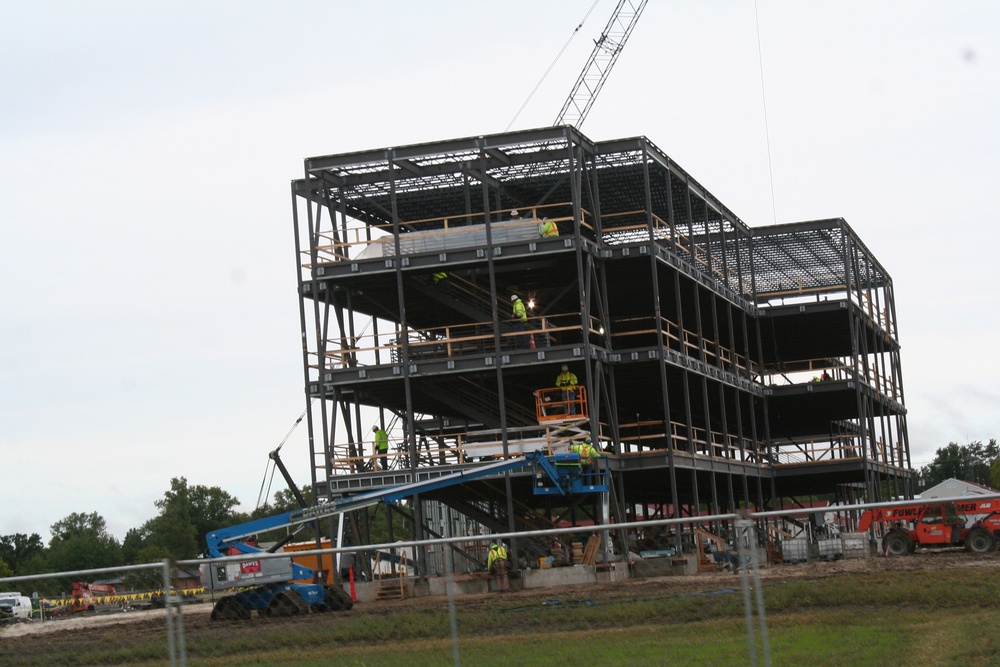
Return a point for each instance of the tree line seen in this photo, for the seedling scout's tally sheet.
(186, 514)
(974, 462)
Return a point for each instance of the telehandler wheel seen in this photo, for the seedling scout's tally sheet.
(980, 541)
(897, 543)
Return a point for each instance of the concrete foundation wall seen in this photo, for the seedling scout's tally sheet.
(613, 572)
(464, 584)
(559, 576)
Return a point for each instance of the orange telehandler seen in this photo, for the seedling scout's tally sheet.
(973, 524)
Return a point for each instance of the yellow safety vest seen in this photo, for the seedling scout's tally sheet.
(566, 379)
(519, 311)
(497, 553)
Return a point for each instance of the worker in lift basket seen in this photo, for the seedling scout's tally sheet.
(496, 563)
(566, 381)
(588, 454)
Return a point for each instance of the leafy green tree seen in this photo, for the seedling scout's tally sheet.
(152, 554)
(402, 526)
(172, 534)
(187, 513)
(284, 499)
(16, 549)
(970, 463)
(37, 563)
(995, 473)
(5, 570)
(134, 540)
(82, 542)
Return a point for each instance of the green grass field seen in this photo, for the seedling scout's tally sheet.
(923, 617)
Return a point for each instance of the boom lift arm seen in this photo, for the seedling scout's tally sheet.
(221, 540)
(274, 587)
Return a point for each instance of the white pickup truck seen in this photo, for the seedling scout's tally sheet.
(16, 604)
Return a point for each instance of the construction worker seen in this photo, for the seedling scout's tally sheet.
(566, 381)
(520, 315)
(588, 455)
(496, 563)
(438, 277)
(547, 229)
(382, 446)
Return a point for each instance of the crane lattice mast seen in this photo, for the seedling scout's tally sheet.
(606, 51)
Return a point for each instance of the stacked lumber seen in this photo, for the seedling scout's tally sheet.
(590, 552)
(577, 552)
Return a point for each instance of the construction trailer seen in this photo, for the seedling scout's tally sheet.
(721, 366)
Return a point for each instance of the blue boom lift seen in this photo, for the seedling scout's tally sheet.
(271, 586)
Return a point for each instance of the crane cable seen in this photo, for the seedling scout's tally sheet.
(263, 495)
(558, 56)
(763, 98)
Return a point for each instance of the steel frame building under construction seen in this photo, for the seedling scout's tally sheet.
(719, 366)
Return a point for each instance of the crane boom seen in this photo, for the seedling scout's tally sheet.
(607, 48)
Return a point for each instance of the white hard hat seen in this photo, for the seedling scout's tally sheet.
(513, 297)
(514, 212)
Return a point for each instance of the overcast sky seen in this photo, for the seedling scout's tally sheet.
(148, 311)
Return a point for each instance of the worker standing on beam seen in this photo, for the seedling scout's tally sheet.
(520, 315)
(382, 446)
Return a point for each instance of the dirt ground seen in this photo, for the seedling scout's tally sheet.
(197, 615)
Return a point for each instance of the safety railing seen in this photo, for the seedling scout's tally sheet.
(817, 451)
(633, 331)
(458, 448)
(449, 233)
(438, 234)
(451, 341)
(628, 227)
(643, 436)
(825, 369)
(558, 404)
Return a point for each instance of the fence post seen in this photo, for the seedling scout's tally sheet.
(746, 544)
(171, 604)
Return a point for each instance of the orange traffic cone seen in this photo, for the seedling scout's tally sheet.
(531, 342)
